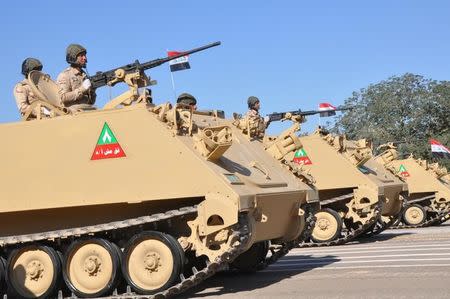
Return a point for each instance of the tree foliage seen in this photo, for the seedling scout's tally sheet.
(409, 109)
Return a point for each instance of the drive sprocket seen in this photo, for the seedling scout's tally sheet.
(212, 245)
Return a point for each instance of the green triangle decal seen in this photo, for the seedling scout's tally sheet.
(402, 168)
(106, 136)
(300, 153)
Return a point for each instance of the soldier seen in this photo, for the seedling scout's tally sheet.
(253, 111)
(22, 91)
(254, 124)
(75, 87)
(188, 99)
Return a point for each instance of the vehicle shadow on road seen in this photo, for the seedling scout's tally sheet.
(229, 282)
(385, 236)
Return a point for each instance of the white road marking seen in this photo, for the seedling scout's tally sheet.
(355, 267)
(355, 248)
(365, 257)
(326, 261)
(299, 253)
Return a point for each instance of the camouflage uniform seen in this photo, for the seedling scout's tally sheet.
(256, 123)
(24, 96)
(71, 91)
(253, 113)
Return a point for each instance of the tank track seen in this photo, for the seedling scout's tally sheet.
(277, 252)
(445, 218)
(310, 222)
(280, 251)
(411, 201)
(220, 263)
(349, 235)
(437, 219)
(434, 220)
(92, 229)
(197, 277)
(381, 226)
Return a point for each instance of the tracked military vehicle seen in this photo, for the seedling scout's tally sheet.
(135, 199)
(439, 172)
(428, 199)
(350, 202)
(359, 152)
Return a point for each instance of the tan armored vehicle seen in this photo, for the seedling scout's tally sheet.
(135, 198)
(428, 201)
(350, 201)
(360, 154)
(439, 172)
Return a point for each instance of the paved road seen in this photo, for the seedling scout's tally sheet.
(404, 263)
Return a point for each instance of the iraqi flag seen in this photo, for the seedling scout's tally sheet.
(178, 64)
(439, 150)
(326, 110)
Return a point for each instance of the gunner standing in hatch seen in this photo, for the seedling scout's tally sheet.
(75, 87)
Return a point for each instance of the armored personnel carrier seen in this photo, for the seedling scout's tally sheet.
(439, 172)
(135, 199)
(359, 152)
(350, 201)
(428, 199)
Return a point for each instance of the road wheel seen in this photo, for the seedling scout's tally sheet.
(254, 256)
(91, 268)
(33, 271)
(328, 226)
(414, 215)
(152, 261)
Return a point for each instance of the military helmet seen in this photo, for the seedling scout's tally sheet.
(31, 64)
(252, 101)
(187, 99)
(72, 51)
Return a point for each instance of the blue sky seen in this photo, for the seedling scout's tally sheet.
(291, 54)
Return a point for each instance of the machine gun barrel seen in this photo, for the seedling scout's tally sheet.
(392, 145)
(277, 116)
(102, 78)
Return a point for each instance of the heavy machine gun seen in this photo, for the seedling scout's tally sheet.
(116, 75)
(277, 116)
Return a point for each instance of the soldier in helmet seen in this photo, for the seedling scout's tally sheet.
(75, 87)
(188, 99)
(253, 110)
(22, 91)
(252, 123)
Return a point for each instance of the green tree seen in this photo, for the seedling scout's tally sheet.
(408, 108)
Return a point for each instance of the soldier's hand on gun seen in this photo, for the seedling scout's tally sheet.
(45, 111)
(86, 84)
(266, 119)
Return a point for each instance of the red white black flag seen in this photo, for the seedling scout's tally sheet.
(439, 150)
(326, 109)
(178, 64)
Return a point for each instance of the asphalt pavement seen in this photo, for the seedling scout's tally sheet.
(399, 263)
